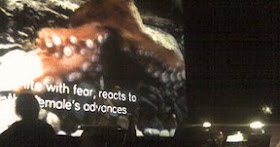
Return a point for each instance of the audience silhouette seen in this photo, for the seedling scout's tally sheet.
(30, 131)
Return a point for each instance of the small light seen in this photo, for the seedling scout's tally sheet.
(238, 137)
(78, 133)
(61, 133)
(256, 125)
(266, 110)
(207, 124)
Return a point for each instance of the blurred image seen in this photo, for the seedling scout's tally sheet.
(109, 63)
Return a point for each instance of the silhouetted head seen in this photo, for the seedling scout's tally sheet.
(27, 106)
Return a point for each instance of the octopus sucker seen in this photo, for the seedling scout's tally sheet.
(86, 66)
(67, 51)
(100, 39)
(57, 55)
(173, 77)
(83, 51)
(157, 74)
(98, 68)
(179, 76)
(149, 70)
(94, 58)
(164, 77)
(48, 43)
(73, 39)
(90, 44)
(74, 76)
(56, 40)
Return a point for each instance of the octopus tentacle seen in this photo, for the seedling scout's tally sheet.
(159, 61)
(70, 52)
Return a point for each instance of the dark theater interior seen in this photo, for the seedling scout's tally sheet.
(230, 96)
(232, 59)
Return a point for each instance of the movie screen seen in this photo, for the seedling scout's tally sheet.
(95, 63)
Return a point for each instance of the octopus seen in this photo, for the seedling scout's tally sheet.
(101, 30)
(107, 38)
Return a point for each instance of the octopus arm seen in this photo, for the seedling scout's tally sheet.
(123, 16)
(158, 61)
(68, 53)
